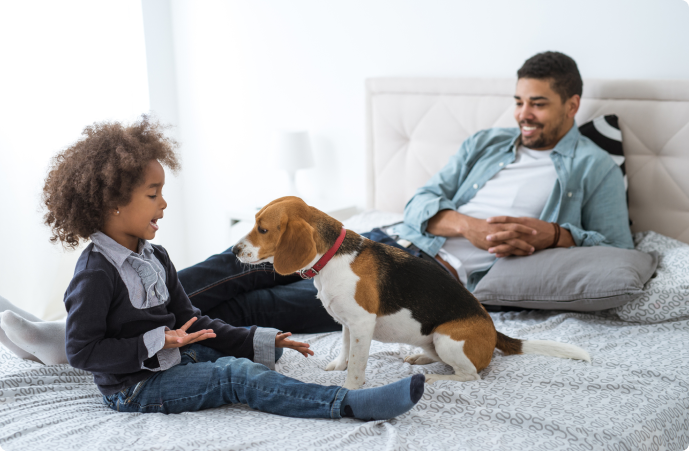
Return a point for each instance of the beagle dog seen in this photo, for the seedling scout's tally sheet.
(379, 292)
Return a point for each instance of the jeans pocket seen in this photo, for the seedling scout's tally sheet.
(191, 354)
(125, 399)
(115, 400)
(134, 390)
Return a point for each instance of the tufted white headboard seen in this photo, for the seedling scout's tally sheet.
(414, 125)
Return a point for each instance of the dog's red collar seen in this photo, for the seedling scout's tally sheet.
(313, 272)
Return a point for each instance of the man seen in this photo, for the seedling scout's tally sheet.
(507, 191)
(514, 191)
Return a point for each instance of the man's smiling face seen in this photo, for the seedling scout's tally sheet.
(542, 116)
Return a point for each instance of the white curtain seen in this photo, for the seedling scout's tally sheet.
(64, 65)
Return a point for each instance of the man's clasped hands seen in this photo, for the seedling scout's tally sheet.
(501, 235)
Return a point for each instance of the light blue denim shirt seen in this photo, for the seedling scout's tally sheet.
(589, 198)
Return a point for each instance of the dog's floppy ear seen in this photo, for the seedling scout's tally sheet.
(296, 247)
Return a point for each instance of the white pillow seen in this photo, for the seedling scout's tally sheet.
(666, 295)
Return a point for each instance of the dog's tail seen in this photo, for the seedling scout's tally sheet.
(511, 346)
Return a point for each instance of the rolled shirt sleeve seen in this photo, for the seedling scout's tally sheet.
(583, 237)
(423, 208)
(154, 340)
(264, 346)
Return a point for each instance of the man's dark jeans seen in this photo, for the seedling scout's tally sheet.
(222, 287)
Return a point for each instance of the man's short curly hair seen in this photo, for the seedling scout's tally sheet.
(559, 68)
(98, 173)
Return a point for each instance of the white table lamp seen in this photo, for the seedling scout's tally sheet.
(294, 153)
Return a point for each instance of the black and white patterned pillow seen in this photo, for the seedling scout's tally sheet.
(605, 132)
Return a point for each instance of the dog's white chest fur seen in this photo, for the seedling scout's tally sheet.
(336, 289)
(336, 286)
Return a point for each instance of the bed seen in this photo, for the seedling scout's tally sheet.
(633, 396)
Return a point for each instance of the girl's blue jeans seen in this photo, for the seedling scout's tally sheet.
(206, 378)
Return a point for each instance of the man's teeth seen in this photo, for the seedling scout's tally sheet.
(528, 128)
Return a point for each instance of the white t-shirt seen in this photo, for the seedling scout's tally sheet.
(521, 189)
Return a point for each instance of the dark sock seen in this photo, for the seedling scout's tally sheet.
(382, 403)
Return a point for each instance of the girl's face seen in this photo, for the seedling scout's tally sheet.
(138, 219)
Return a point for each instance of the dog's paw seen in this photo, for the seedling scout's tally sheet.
(352, 385)
(418, 359)
(430, 378)
(336, 365)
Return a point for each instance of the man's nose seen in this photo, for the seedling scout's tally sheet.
(525, 114)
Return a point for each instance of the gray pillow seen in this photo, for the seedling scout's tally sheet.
(582, 279)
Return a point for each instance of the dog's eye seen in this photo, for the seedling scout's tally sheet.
(260, 230)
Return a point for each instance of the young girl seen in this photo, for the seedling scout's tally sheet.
(129, 321)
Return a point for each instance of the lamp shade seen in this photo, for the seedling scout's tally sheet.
(294, 151)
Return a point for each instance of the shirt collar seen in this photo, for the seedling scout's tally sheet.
(115, 251)
(564, 147)
(568, 142)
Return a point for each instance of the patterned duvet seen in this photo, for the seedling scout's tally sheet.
(633, 396)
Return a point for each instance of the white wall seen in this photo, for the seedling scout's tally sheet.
(246, 69)
(162, 82)
(231, 73)
(64, 65)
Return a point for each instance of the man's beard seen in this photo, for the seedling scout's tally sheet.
(546, 140)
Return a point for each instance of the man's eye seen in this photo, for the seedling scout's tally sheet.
(154, 196)
(538, 104)
(260, 230)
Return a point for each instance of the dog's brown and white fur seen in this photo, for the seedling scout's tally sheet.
(379, 292)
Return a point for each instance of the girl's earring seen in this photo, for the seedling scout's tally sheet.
(117, 212)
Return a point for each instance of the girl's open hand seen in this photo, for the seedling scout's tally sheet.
(180, 337)
(281, 341)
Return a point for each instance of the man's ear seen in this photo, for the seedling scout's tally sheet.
(573, 104)
(296, 247)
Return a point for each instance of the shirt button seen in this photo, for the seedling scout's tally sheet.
(502, 164)
(475, 186)
(569, 194)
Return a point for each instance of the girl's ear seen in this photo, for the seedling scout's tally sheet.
(296, 247)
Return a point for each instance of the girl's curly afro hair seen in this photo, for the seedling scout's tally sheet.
(98, 173)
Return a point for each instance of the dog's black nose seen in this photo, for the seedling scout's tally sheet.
(237, 249)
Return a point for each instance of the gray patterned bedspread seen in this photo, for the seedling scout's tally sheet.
(633, 396)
